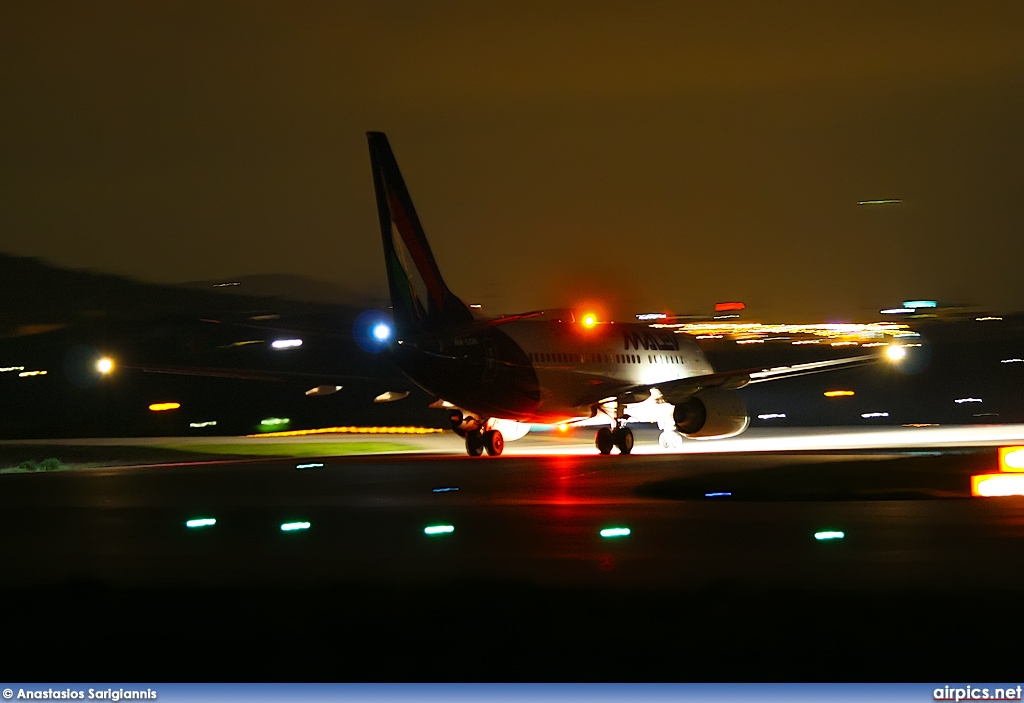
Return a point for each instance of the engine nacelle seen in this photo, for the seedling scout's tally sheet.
(713, 413)
(510, 429)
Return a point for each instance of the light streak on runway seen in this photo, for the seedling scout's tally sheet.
(815, 439)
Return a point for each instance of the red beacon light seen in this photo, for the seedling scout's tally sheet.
(589, 320)
(727, 307)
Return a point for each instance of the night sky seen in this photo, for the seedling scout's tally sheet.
(651, 156)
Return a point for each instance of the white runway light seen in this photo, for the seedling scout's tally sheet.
(286, 343)
(293, 526)
(829, 535)
(201, 522)
(615, 532)
(438, 529)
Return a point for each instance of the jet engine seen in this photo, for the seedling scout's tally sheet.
(713, 413)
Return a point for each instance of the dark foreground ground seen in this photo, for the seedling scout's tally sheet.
(103, 582)
(487, 631)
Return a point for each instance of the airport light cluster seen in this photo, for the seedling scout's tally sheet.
(351, 430)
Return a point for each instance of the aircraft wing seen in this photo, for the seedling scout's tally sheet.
(679, 390)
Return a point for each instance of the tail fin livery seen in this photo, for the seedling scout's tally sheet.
(419, 296)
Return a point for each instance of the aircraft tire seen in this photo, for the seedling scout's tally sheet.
(493, 442)
(604, 440)
(474, 443)
(623, 439)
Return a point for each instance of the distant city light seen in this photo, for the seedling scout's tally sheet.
(997, 485)
(438, 529)
(197, 425)
(829, 534)
(837, 394)
(884, 201)
(615, 532)
(958, 401)
(231, 283)
(725, 317)
(201, 522)
(1011, 361)
(920, 304)
(105, 365)
(652, 316)
(286, 343)
(23, 374)
(4, 369)
(160, 407)
(445, 489)
(315, 465)
(475, 306)
(771, 416)
(896, 311)
(381, 332)
(870, 415)
(984, 319)
(292, 526)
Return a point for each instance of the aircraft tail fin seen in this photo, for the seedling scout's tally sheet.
(421, 300)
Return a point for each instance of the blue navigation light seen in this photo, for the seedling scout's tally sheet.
(308, 466)
(829, 534)
(438, 529)
(446, 489)
(381, 332)
(615, 532)
(292, 526)
(717, 495)
(201, 522)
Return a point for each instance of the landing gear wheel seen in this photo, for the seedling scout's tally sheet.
(493, 442)
(474, 443)
(604, 441)
(623, 439)
(671, 440)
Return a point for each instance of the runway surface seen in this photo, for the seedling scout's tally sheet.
(523, 550)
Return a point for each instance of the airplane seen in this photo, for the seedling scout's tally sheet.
(498, 376)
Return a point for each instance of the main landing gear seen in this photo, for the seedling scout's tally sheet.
(621, 437)
(478, 439)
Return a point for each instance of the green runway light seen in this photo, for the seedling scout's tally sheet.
(274, 421)
(292, 526)
(615, 532)
(829, 534)
(201, 522)
(438, 529)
